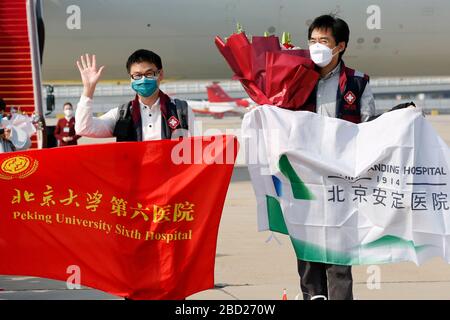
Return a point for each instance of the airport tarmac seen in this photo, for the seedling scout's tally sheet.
(249, 266)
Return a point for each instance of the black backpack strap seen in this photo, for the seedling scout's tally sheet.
(123, 110)
(124, 129)
(182, 112)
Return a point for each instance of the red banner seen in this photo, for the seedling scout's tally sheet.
(137, 220)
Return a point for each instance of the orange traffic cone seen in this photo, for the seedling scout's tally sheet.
(284, 297)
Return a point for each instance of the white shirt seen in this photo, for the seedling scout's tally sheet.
(327, 91)
(103, 126)
(151, 121)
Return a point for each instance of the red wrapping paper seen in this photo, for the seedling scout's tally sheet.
(269, 73)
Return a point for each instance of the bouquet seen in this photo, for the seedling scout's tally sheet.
(279, 75)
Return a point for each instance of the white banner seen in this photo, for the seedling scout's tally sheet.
(377, 192)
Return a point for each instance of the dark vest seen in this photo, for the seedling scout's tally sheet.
(348, 99)
(174, 115)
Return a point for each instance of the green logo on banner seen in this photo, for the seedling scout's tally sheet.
(299, 189)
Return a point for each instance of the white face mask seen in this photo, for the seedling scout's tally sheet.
(321, 54)
(68, 113)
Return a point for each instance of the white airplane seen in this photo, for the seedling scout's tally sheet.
(388, 38)
(219, 103)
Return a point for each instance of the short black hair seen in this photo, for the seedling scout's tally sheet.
(2, 105)
(143, 55)
(339, 29)
(67, 104)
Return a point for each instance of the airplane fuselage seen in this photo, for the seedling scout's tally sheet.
(388, 38)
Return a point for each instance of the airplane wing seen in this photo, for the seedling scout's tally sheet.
(206, 107)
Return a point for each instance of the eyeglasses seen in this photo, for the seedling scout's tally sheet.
(148, 75)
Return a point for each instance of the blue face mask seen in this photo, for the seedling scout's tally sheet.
(144, 87)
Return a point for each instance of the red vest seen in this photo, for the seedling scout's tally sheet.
(348, 99)
(174, 115)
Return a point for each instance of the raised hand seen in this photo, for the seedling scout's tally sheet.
(90, 75)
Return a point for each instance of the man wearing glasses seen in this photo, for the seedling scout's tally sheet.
(341, 93)
(152, 115)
